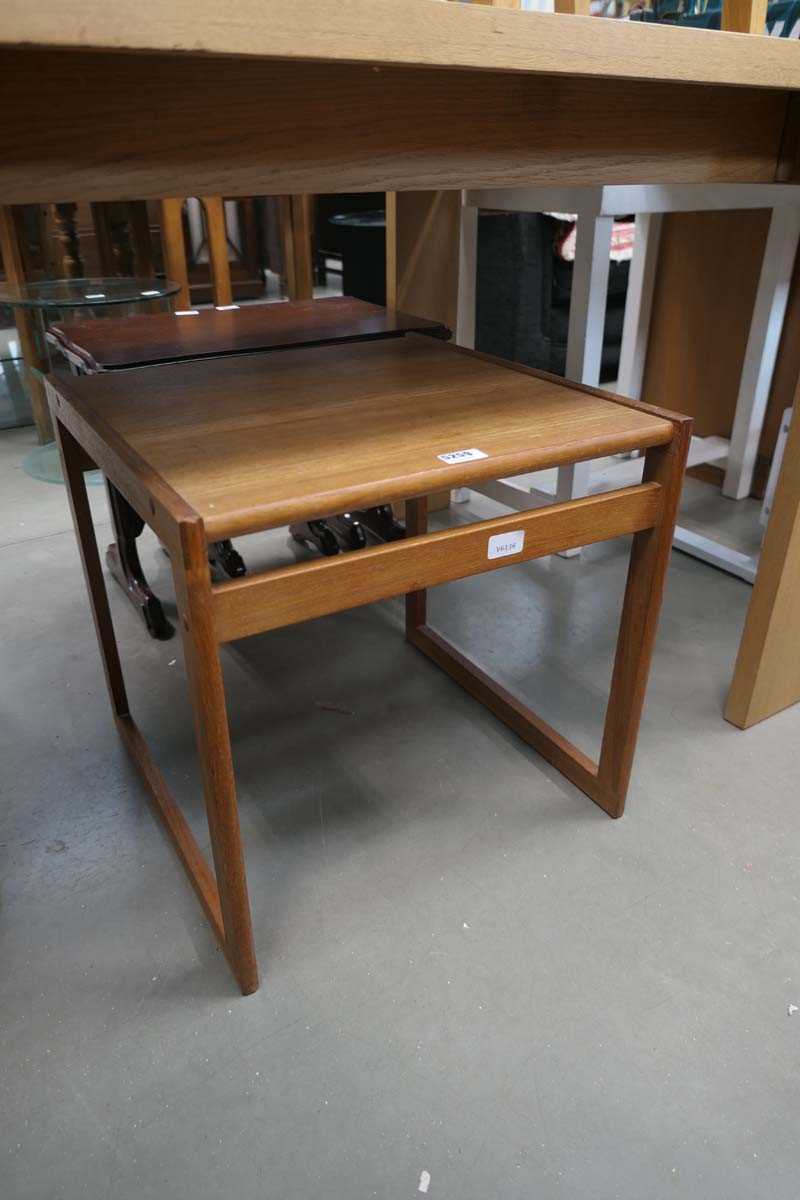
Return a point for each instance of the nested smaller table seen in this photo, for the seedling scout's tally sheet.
(92, 346)
(214, 449)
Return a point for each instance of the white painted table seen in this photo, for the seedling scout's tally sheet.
(596, 208)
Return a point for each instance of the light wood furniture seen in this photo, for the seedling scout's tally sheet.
(766, 678)
(295, 228)
(326, 95)
(174, 248)
(596, 208)
(114, 345)
(200, 454)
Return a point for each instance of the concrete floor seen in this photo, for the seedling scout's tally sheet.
(468, 969)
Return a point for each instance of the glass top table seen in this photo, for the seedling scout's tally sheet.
(49, 300)
(47, 294)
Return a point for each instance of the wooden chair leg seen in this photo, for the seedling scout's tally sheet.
(217, 240)
(174, 248)
(224, 900)
(295, 225)
(605, 782)
(207, 691)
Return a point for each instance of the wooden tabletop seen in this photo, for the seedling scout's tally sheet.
(411, 33)
(255, 442)
(164, 337)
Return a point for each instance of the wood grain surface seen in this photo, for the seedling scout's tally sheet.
(408, 32)
(163, 125)
(287, 595)
(259, 441)
(162, 337)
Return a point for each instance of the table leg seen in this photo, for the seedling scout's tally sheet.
(224, 899)
(639, 305)
(762, 350)
(605, 782)
(122, 560)
(650, 554)
(207, 693)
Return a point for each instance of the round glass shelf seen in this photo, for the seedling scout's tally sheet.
(43, 463)
(85, 293)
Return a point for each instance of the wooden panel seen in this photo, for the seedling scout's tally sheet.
(410, 32)
(304, 127)
(422, 231)
(744, 16)
(706, 281)
(137, 341)
(299, 593)
(217, 241)
(262, 440)
(579, 8)
(767, 674)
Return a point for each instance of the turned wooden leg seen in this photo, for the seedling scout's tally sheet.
(122, 560)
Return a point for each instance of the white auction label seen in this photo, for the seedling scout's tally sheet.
(501, 545)
(458, 456)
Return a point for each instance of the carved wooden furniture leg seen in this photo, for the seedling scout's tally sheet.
(122, 560)
(316, 534)
(380, 523)
(227, 559)
(222, 893)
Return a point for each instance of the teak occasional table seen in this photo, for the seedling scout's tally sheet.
(215, 449)
(92, 346)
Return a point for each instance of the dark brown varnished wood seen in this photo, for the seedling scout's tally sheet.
(107, 345)
(138, 341)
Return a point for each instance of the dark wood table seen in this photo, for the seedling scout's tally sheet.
(138, 341)
(93, 346)
(217, 448)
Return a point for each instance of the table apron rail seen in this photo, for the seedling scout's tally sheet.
(286, 595)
